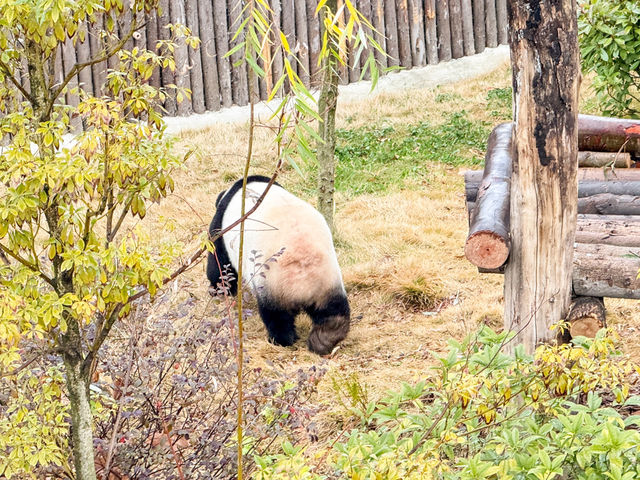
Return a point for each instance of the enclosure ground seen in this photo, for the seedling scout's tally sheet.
(401, 250)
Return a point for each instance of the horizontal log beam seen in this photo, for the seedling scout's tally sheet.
(602, 271)
(604, 159)
(586, 188)
(608, 134)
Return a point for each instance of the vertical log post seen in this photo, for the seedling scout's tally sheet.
(404, 35)
(391, 26)
(455, 23)
(444, 30)
(416, 28)
(431, 35)
(544, 56)
(208, 55)
(377, 17)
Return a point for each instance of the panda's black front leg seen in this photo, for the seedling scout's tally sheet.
(280, 322)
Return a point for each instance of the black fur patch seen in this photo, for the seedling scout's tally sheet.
(222, 202)
(280, 322)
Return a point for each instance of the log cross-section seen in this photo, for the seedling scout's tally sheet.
(488, 242)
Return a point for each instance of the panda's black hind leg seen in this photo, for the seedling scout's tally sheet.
(280, 323)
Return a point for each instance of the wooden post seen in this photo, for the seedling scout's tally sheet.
(168, 76)
(455, 22)
(431, 31)
(208, 54)
(152, 41)
(416, 26)
(365, 8)
(491, 23)
(377, 17)
(467, 27)
(183, 77)
(391, 26)
(404, 36)
(222, 47)
(545, 63)
(195, 60)
(302, 41)
(239, 78)
(479, 34)
(313, 32)
(444, 30)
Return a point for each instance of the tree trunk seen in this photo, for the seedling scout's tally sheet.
(327, 131)
(81, 416)
(545, 63)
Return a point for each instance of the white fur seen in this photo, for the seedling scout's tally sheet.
(307, 271)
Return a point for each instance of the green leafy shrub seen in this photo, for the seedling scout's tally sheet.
(610, 45)
(560, 413)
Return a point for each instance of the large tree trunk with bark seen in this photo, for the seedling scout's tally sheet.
(538, 277)
(327, 104)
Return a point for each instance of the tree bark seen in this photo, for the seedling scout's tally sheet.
(327, 104)
(488, 242)
(545, 63)
(81, 417)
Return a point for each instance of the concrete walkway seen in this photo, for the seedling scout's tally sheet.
(424, 77)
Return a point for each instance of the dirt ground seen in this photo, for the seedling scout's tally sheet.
(401, 253)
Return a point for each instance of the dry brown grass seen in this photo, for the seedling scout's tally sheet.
(409, 285)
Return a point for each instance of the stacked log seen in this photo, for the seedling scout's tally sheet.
(607, 244)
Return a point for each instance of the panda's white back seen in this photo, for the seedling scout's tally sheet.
(307, 270)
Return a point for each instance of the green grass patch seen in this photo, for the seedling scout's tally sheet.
(375, 159)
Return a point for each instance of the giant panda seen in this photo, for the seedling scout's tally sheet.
(304, 274)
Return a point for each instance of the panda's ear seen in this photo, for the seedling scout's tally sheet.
(220, 197)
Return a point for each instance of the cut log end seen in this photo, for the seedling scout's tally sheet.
(586, 316)
(486, 249)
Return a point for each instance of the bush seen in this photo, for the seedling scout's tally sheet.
(610, 45)
(560, 413)
(168, 396)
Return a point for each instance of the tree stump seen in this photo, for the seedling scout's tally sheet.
(586, 316)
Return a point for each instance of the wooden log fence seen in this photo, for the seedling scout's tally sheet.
(607, 241)
(414, 33)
